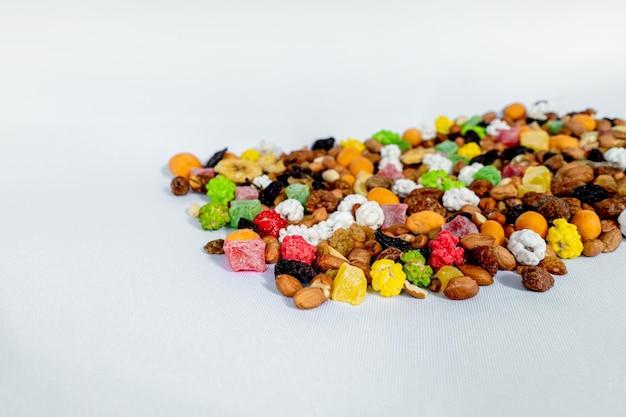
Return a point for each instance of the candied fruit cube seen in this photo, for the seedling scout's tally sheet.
(394, 213)
(246, 255)
(537, 140)
(539, 175)
(350, 285)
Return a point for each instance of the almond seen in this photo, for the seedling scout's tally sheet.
(307, 298)
(326, 262)
(611, 240)
(272, 249)
(324, 283)
(471, 241)
(505, 258)
(461, 288)
(415, 291)
(288, 285)
(504, 191)
(478, 274)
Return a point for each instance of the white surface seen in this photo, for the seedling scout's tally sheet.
(109, 307)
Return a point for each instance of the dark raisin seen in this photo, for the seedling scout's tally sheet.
(510, 153)
(217, 156)
(595, 155)
(514, 212)
(488, 158)
(590, 193)
(247, 224)
(567, 157)
(270, 193)
(393, 242)
(324, 144)
(471, 136)
(298, 269)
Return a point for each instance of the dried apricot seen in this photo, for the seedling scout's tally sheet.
(347, 155)
(588, 224)
(413, 136)
(382, 196)
(181, 164)
(361, 163)
(515, 111)
(533, 221)
(586, 120)
(424, 222)
(495, 229)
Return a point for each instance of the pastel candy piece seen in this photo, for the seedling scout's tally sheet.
(394, 213)
(207, 172)
(243, 208)
(246, 255)
(390, 171)
(460, 226)
(246, 192)
(509, 137)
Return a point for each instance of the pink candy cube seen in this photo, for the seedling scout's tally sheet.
(246, 192)
(394, 213)
(246, 255)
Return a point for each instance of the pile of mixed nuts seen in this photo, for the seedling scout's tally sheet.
(441, 207)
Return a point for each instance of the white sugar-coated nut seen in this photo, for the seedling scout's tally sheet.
(455, 198)
(437, 161)
(466, 175)
(621, 219)
(291, 209)
(370, 214)
(330, 175)
(528, 247)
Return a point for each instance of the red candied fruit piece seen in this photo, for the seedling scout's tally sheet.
(445, 251)
(513, 171)
(390, 171)
(509, 137)
(460, 226)
(269, 223)
(296, 248)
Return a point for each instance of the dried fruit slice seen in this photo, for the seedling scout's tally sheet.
(239, 171)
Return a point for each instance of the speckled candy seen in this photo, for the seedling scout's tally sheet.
(296, 248)
(246, 255)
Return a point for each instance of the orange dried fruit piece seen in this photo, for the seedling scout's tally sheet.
(588, 224)
(347, 155)
(515, 111)
(424, 222)
(586, 120)
(413, 136)
(534, 221)
(361, 163)
(382, 196)
(242, 234)
(560, 142)
(495, 229)
(182, 163)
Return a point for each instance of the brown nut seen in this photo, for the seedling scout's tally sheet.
(324, 283)
(471, 241)
(287, 285)
(553, 265)
(535, 278)
(360, 255)
(415, 291)
(478, 274)
(593, 247)
(611, 240)
(505, 258)
(307, 298)
(461, 288)
(504, 191)
(326, 262)
(272, 249)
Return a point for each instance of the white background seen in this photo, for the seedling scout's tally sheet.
(109, 307)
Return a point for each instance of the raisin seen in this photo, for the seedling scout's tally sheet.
(488, 158)
(514, 212)
(595, 155)
(472, 136)
(324, 144)
(247, 224)
(298, 269)
(392, 242)
(510, 153)
(590, 193)
(270, 193)
(217, 156)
